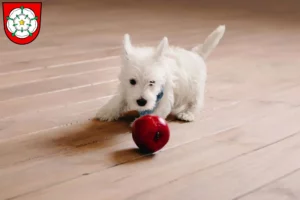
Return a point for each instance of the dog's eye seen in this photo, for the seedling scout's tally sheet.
(132, 81)
(151, 83)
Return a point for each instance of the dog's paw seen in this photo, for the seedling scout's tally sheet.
(103, 115)
(186, 116)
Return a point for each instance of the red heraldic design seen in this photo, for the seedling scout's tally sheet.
(22, 21)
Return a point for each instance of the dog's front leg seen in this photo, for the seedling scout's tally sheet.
(165, 105)
(112, 109)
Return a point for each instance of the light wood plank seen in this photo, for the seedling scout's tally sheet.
(24, 61)
(243, 144)
(193, 171)
(58, 71)
(234, 178)
(107, 42)
(286, 188)
(46, 86)
(56, 98)
(99, 141)
(178, 135)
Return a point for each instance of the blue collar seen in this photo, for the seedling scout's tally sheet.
(158, 98)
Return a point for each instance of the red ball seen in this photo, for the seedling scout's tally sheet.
(150, 133)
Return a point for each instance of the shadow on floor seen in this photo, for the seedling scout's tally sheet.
(94, 134)
(112, 139)
(129, 155)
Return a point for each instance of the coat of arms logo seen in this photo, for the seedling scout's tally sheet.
(22, 21)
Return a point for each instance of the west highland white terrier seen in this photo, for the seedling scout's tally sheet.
(161, 81)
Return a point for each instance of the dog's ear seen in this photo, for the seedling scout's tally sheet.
(162, 47)
(127, 47)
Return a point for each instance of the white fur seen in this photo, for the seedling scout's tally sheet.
(180, 72)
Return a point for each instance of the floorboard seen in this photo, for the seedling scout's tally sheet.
(284, 188)
(243, 145)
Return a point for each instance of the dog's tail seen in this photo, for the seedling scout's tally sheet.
(210, 42)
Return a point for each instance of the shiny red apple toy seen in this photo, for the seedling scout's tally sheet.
(150, 133)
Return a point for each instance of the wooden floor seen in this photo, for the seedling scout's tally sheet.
(244, 145)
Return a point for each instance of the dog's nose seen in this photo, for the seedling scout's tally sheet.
(141, 102)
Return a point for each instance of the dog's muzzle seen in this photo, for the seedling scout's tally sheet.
(158, 98)
(141, 102)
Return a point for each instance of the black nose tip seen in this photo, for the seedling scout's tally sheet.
(141, 102)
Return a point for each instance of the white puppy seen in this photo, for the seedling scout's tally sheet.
(161, 80)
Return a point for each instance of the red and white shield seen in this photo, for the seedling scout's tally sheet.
(22, 21)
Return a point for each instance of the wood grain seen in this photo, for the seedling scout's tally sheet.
(284, 188)
(243, 145)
